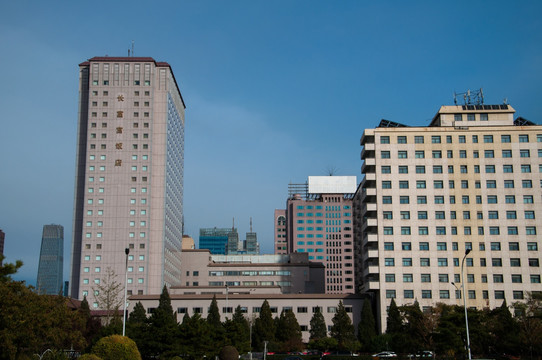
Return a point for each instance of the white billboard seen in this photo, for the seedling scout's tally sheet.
(332, 184)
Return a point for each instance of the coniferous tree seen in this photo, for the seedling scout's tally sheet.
(215, 325)
(264, 327)
(367, 327)
(504, 331)
(213, 318)
(288, 332)
(163, 328)
(137, 326)
(394, 323)
(238, 331)
(318, 328)
(342, 329)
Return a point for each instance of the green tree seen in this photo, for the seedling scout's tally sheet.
(318, 327)
(162, 329)
(238, 331)
(414, 329)
(137, 326)
(343, 330)
(264, 327)
(6, 270)
(504, 331)
(530, 324)
(31, 323)
(213, 318)
(116, 347)
(288, 332)
(196, 338)
(92, 325)
(215, 325)
(394, 322)
(367, 327)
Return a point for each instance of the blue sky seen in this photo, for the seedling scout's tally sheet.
(275, 91)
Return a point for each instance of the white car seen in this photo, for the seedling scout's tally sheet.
(385, 354)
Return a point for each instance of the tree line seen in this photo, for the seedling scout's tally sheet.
(31, 324)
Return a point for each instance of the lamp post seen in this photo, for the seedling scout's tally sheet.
(465, 302)
(126, 251)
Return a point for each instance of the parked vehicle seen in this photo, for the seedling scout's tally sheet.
(385, 354)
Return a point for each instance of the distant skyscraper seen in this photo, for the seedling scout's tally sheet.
(214, 239)
(2, 239)
(318, 220)
(51, 260)
(129, 175)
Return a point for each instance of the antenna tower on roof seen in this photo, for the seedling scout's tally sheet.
(474, 97)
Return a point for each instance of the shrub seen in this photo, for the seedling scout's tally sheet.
(89, 357)
(228, 353)
(116, 347)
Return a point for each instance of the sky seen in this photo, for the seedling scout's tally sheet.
(276, 91)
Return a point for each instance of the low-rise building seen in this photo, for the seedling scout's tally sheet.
(293, 273)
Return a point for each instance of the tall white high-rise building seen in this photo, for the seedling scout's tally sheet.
(129, 176)
(470, 181)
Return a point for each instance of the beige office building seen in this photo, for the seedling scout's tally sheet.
(471, 180)
(129, 176)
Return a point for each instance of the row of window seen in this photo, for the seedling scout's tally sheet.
(327, 208)
(258, 309)
(119, 146)
(439, 184)
(328, 215)
(301, 221)
(133, 168)
(441, 215)
(444, 278)
(106, 93)
(442, 246)
(437, 139)
(467, 230)
(465, 199)
(445, 294)
(437, 154)
(463, 169)
(443, 262)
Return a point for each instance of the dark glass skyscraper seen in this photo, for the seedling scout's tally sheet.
(51, 260)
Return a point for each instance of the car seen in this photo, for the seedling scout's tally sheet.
(385, 354)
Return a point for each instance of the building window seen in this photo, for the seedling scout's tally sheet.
(384, 139)
(435, 139)
(389, 262)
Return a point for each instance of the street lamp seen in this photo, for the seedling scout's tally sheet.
(126, 251)
(465, 302)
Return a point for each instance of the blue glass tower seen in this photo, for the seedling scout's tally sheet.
(51, 260)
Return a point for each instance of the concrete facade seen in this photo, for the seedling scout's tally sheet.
(472, 179)
(293, 273)
(129, 175)
(303, 305)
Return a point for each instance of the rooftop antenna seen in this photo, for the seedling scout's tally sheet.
(233, 224)
(474, 97)
(133, 53)
(251, 224)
